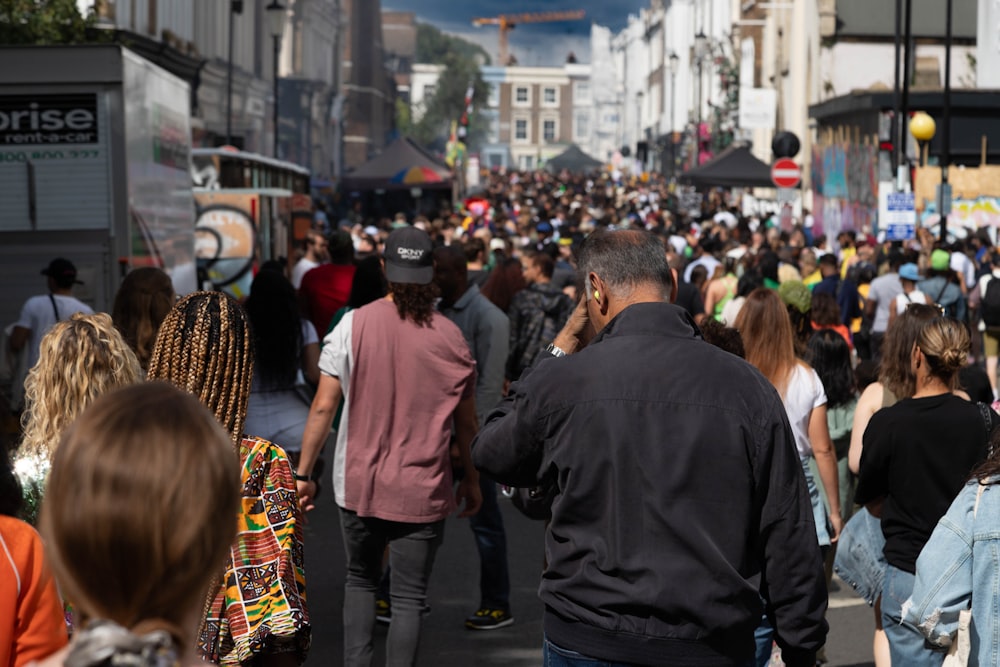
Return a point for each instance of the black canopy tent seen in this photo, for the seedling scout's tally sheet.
(388, 170)
(573, 159)
(735, 167)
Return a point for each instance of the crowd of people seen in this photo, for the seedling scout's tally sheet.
(717, 411)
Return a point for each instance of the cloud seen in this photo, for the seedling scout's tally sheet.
(538, 50)
(535, 44)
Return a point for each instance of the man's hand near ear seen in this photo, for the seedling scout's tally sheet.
(578, 330)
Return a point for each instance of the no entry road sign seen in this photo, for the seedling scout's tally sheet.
(785, 173)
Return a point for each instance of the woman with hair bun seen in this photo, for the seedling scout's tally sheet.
(917, 455)
(139, 516)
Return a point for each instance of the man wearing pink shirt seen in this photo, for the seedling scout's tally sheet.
(407, 376)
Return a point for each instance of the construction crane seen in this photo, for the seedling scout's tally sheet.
(507, 22)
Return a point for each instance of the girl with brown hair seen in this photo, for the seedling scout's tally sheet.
(143, 300)
(205, 347)
(504, 282)
(769, 342)
(140, 510)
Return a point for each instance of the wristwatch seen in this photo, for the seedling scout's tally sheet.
(303, 478)
(555, 351)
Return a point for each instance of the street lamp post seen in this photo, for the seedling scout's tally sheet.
(675, 63)
(700, 43)
(944, 201)
(638, 128)
(235, 7)
(276, 26)
(922, 127)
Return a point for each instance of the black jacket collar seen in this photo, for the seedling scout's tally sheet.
(655, 319)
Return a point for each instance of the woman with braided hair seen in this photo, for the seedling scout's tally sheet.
(205, 347)
(137, 520)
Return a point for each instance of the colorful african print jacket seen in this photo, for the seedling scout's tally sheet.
(261, 605)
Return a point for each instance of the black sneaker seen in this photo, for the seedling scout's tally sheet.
(383, 612)
(489, 619)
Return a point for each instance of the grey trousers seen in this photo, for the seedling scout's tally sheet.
(412, 548)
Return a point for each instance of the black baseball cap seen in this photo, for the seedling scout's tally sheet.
(62, 271)
(409, 258)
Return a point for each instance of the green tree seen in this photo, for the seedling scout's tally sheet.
(434, 46)
(461, 60)
(448, 103)
(404, 120)
(43, 22)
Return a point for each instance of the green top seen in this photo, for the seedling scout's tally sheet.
(840, 419)
(731, 281)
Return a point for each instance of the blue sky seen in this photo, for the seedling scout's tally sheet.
(533, 44)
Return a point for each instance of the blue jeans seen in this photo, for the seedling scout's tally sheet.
(763, 638)
(556, 656)
(859, 560)
(491, 541)
(412, 548)
(906, 644)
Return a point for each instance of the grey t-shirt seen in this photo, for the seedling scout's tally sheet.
(884, 291)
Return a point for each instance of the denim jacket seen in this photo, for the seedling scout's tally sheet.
(859, 560)
(962, 556)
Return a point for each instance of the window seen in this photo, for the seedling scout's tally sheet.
(582, 130)
(521, 95)
(521, 129)
(582, 91)
(429, 91)
(526, 162)
(494, 133)
(494, 97)
(549, 96)
(549, 130)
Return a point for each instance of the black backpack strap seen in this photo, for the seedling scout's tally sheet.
(941, 293)
(55, 308)
(987, 414)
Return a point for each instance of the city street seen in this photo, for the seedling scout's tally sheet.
(454, 595)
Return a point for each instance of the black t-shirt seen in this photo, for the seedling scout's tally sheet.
(976, 383)
(918, 453)
(689, 299)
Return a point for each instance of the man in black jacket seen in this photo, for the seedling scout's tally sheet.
(681, 514)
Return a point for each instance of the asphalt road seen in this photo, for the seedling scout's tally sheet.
(454, 595)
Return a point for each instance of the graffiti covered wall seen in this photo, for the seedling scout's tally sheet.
(968, 213)
(845, 187)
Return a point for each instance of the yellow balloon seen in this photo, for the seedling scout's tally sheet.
(922, 126)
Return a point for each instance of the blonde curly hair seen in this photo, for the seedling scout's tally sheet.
(79, 360)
